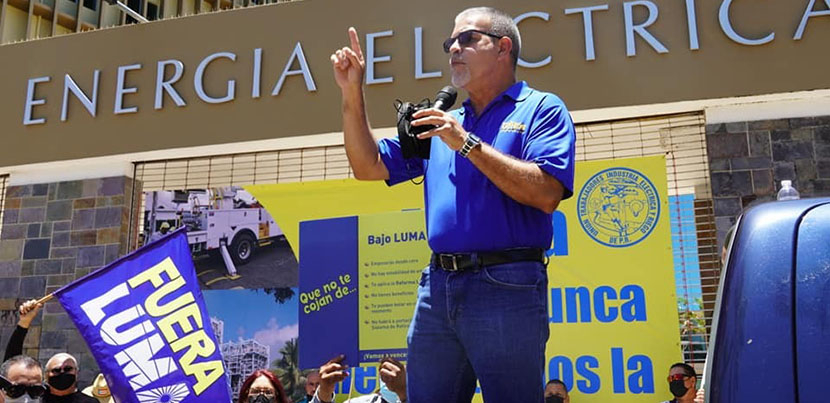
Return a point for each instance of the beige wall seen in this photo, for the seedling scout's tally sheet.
(112, 16)
(61, 30)
(189, 7)
(14, 25)
(720, 68)
(44, 26)
(169, 9)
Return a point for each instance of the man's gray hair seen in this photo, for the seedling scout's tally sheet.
(309, 374)
(501, 24)
(59, 358)
(29, 362)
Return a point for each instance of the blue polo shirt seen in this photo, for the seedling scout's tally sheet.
(465, 211)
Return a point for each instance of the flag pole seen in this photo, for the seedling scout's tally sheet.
(45, 299)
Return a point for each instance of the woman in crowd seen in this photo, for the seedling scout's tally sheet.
(682, 379)
(262, 387)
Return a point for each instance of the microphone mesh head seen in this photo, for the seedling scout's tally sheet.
(447, 97)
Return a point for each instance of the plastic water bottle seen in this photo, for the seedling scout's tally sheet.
(787, 191)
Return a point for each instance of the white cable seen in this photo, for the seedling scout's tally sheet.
(123, 7)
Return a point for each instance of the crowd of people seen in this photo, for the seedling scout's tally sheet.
(263, 387)
(24, 380)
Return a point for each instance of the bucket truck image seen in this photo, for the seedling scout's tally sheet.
(228, 221)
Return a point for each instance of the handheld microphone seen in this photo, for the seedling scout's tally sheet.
(411, 145)
(445, 98)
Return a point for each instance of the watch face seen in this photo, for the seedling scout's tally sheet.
(470, 143)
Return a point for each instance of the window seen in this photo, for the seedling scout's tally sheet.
(135, 5)
(152, 11)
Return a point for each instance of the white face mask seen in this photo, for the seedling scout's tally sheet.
(387, 394)
(23, 399)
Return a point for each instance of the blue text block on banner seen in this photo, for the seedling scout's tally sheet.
(328, 291)
(146, 324)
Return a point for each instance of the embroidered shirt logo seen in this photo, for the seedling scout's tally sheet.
(513, 127)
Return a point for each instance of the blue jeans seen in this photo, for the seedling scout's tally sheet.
(488, 324)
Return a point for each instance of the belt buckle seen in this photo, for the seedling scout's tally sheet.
(454, 262)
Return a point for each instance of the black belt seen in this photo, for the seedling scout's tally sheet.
(466, 261)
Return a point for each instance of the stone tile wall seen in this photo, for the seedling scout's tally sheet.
(53, 234)
(748, 161)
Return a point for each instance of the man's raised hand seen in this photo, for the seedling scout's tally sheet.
(349, 65)
(28, 310)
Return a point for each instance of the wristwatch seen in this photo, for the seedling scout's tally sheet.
(471, 142)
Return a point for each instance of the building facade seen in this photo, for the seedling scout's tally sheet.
(734, 95)
(22, 20)
(242, 359)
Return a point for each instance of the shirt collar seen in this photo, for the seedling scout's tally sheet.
(518, 92)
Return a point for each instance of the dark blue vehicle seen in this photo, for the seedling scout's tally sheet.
(771, 330)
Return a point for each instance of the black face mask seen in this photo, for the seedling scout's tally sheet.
(63, 381)
(678, 388)
(554, 399)
(260, 399)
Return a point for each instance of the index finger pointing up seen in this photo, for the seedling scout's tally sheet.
(355, 42)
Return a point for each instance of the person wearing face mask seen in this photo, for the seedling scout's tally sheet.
(312, 381)
(21, 380)
(62, 373)
(682, 379)
(556, 392)
(262, 387)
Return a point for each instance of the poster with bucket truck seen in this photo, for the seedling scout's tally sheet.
(234, 240)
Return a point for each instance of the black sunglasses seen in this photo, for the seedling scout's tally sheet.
(14, 391)
(465, 38)
(60, 370)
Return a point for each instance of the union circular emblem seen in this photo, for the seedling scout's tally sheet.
(618, 207)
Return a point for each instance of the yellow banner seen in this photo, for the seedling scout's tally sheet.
(613, 311)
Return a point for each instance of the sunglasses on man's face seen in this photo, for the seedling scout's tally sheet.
(677, 377)
(465, 38)
(14, 391)
(61, 370)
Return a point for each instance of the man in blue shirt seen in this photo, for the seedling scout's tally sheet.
(498, 168)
